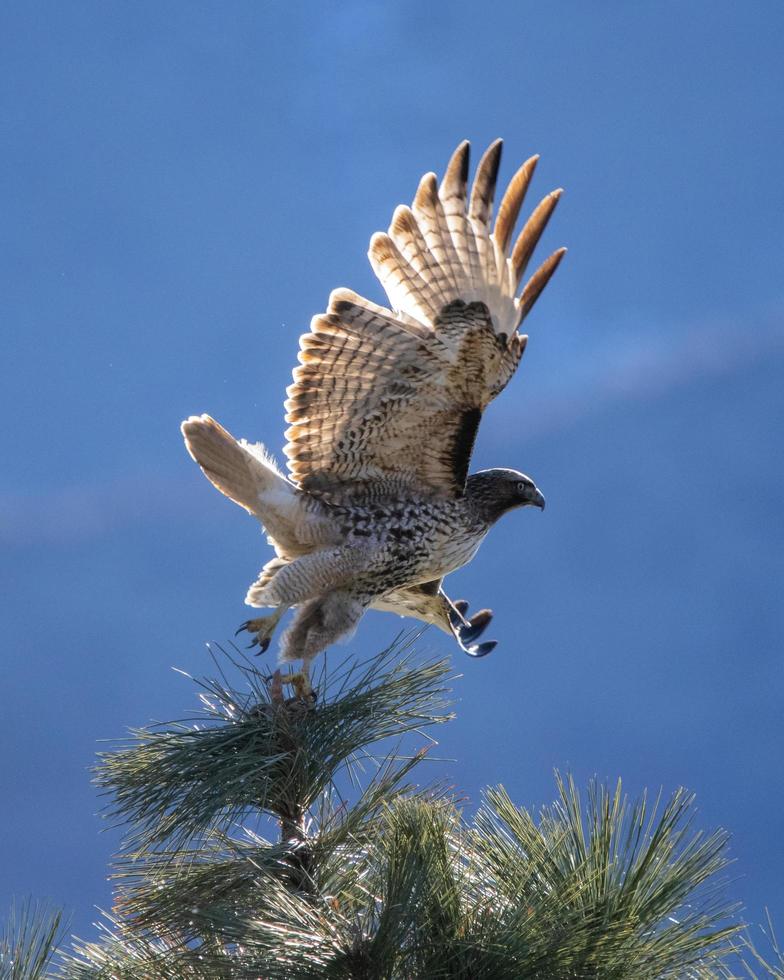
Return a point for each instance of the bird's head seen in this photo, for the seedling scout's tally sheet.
(496, 491)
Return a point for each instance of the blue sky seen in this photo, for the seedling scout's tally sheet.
(183, 185)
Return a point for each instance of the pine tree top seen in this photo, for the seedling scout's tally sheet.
(279, 839)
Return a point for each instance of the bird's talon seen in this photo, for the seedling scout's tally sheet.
(476, 626)
(481, 649)
(302, 689)
(261, 630)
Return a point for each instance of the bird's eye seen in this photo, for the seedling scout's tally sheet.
(521, 486)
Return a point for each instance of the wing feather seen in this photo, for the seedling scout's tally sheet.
(530, 235)
(480, 210)
(453, 197)
(538, 281)
(429, 213)
(409, 238)
(407, 290)
(385, 400)
(512, 201)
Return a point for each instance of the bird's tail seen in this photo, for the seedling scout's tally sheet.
(242, 471)
(443, 248)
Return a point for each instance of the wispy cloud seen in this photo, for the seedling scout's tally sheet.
(646, 366)
(66, 514)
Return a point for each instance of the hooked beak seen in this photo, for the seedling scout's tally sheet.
(537, 499)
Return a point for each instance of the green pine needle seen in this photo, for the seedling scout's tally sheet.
(383, 879)
(248, 754)
(29, 940)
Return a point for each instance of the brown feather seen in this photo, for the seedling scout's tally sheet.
(453, 197)
(481, 204)
(538, 281)
(531, 233)
(512, 201)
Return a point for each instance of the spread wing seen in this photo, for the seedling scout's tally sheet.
(389, 400)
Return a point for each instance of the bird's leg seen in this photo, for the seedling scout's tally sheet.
(300, 681)
(468, 631)
(262, 628)
(433, 605)
(318, 623)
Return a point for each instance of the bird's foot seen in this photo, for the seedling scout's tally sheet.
(299, 680)
(468, 631)
(261, 630)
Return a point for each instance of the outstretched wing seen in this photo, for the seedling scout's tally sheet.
(384, 401)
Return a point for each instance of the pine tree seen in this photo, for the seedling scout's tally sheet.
(29, 941)
(272, 838)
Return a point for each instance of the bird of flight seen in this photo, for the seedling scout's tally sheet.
(378, 505)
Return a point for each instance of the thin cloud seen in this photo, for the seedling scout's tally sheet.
(76, 513)
(649, 366)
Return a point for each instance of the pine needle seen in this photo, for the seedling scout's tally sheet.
(271, 840)
(29, 940)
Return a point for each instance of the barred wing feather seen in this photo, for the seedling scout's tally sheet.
(389, 400)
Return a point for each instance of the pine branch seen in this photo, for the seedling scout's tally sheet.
(124, 955)
(223, 874)
(634, 894)
(192, 888)
(751, 957)
(253, 755)
(29, 941)
(247, 859)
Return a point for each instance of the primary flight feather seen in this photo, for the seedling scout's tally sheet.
(384, 410)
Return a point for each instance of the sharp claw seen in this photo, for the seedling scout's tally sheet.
(263, 646)
(481, 649)
(476, 626)
(467, 636)
(461, 606)
(483, 617)
(244, 626)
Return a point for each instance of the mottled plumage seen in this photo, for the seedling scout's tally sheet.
(383, 414)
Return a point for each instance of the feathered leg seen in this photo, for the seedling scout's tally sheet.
(284, 583)
(308, 576)
(319, 622)
(431, 604)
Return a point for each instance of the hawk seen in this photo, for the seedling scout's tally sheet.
(378, 505)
